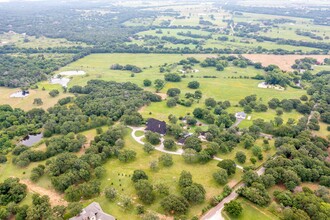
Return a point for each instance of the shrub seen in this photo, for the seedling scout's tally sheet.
(193, 85)
(221, 176)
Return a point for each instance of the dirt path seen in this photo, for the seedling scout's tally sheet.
(54, 197)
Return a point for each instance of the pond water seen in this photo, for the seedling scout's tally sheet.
(62, 80)
(31, 139)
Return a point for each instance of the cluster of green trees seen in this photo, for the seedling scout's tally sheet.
(305, 63)
(18, 123)
(112, 100)
(25, 70)
(12, 192)
(175, 40)
(127, 67)
(319, 91)
(299, 159)
(307, 204)
(290, 104)
(250, 103)
(191, 193)
(220, 65)
(219, 117)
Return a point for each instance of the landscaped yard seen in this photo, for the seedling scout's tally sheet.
(118, 175)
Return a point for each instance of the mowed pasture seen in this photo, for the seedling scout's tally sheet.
(224, 87)
(283, 61)
(26, 103)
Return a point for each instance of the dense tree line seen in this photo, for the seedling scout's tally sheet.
(17, 123)
(20, 71)
(111, 99)
(66, 20)
(127, 67)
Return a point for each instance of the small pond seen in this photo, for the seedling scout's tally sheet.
(30, 140)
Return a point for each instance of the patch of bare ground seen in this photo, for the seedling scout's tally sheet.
(54, 197)
(283, 61)
(164, 217)
(163, 95)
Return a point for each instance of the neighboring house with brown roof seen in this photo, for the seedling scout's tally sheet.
(156, 126)
(93, 212)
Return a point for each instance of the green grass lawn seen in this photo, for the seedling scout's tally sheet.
(139, 133)
(251, 212)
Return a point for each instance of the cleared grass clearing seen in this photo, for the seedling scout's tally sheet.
(27, 102)
(323, 132)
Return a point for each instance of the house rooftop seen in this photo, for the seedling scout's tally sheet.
(156, 126)
(93, 212)
(241, 114)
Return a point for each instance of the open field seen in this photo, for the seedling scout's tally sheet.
(27, 102)
(283, 61)
(97, 66)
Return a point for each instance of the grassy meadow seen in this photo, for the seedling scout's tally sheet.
(26, 103)
(97, 66)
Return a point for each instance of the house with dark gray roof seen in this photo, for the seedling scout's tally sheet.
(93, 212)
(156, 126)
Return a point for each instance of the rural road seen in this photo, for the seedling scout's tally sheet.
(161, 146)
(237, 122)
(215, 213)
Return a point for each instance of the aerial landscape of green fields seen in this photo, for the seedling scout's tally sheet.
(158, 110)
